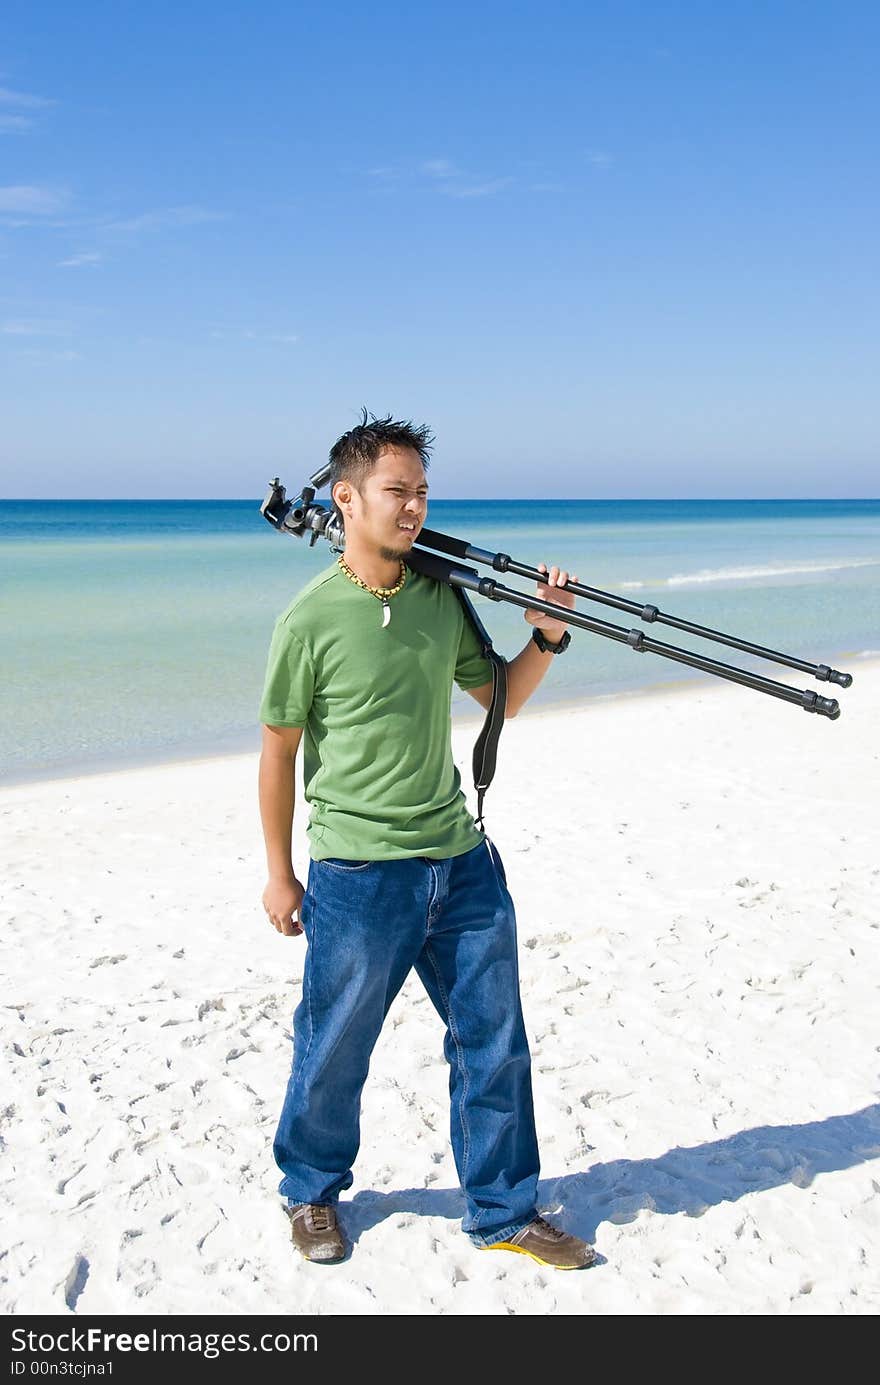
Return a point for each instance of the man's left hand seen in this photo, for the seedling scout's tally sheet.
(550, 591)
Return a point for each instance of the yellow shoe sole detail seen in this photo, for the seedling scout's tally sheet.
(508, 1245)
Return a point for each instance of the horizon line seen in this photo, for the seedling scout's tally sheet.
(462, 499)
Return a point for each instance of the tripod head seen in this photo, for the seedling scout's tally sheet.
(302, 516)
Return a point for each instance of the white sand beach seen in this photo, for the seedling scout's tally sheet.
(697, 880)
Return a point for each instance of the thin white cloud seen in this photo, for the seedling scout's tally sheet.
(165, 219)
(452, 181)
(441, 168)
(25, 100)
(252, 334)
(14, 123)
(599, 158)
(35, 327)
(27, 197)
(88, 257)
(476, 189)
(41, 356)
(448, 178)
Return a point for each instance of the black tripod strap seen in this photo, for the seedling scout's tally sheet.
(486, 747)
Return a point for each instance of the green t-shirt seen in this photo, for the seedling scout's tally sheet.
(375, 704)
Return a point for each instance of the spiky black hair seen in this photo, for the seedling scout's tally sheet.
(353, 456)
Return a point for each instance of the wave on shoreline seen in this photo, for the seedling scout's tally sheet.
(744, 574)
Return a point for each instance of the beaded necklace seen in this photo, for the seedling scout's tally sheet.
(382, 592)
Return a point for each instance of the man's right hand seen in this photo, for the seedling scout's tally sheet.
(282, 901)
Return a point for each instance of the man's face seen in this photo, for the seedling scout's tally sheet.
(394, 495)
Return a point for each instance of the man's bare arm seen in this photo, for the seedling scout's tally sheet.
(282, 897)
(525, 672)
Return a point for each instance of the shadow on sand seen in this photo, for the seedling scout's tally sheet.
(688, 1180)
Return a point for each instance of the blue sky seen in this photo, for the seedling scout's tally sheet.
(603, 249)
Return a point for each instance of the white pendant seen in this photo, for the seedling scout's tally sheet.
(386, 615)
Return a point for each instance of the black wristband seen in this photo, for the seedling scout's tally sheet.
(546, 647)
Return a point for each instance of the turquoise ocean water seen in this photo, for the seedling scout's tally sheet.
(137, 631)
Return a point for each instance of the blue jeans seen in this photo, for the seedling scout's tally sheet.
(367, 923)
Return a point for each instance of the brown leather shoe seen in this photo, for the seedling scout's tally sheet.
(315, 1232)
(549, 1246)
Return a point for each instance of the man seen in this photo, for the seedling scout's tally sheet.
(360, 670)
